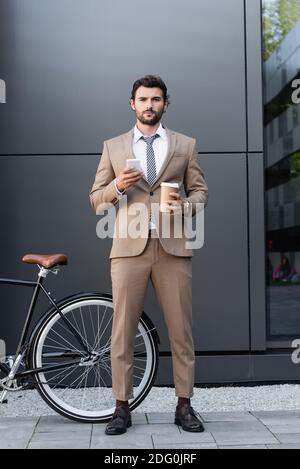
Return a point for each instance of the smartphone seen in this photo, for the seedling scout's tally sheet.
(134, 163)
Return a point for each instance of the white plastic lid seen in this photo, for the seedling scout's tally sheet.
(170, 184)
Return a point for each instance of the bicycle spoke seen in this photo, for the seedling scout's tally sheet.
(84, 331)
(59, 374)
(65, 340)
(97, 344)
(97, 341)
(63, 326)
(92, 323)
(84, 389)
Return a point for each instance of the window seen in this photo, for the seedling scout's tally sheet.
(281, 39)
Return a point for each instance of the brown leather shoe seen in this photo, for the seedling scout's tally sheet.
(188, 419)
(120, 421)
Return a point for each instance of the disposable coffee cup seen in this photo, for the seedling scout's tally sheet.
(166, 189)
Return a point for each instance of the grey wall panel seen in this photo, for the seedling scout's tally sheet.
(275, 367)
(69, 67)
(45, 208)
(219, 369)
(211, 369)
(257, 251)
(220, 269)
(254, 75)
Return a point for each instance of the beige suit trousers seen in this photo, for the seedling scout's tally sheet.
(171, 277)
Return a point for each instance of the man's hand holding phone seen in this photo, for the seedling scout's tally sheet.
(129, 175)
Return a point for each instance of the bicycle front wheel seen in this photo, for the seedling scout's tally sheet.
(79, 386)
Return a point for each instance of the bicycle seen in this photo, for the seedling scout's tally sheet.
(67, 356)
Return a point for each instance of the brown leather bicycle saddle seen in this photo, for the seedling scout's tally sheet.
(45, 260)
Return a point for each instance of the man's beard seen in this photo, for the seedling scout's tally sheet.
(153, 120)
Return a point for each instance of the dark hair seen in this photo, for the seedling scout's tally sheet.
(151, 81)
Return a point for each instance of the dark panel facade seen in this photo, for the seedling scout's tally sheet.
(69, 67)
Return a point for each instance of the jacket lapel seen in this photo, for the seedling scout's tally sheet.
(142, 183)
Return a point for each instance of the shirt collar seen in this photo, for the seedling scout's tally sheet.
(137, 134)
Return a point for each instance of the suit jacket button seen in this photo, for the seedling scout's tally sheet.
(151, 193)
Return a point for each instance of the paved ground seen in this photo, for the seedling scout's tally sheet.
(264, 429)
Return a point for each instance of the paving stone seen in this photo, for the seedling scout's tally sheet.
(244, 447)
(227, 417)
(277, 418)
(276, 414)
(283, 446)
(52, 423)
(36, 444)
(240, 433)
(137, 436)
(188, 446)
(161, 429)
(14, 422)
(293, 438)
(14, 443)
(285, 428)
(17, 428)
(17, 434)
(160, 417)
(241, 439)
(182, 438)
(139, 418)
(248, 426)
(126, 440)
(59, 439)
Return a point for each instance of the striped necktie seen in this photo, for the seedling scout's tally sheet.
(151, 166)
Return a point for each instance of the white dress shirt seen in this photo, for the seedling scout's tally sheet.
(160, 148)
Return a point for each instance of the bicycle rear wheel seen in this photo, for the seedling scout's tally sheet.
(81, 389)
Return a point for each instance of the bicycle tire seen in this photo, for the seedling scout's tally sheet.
(52, 392)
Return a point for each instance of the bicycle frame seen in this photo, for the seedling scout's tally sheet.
(22, 345)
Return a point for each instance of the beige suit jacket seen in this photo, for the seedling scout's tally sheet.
(181, 166)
